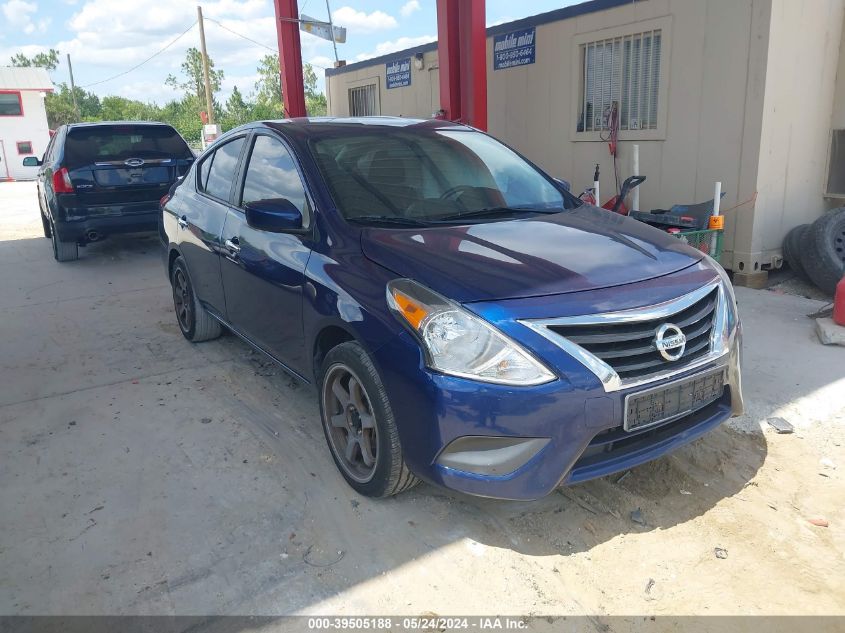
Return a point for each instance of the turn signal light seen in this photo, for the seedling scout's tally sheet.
(61, 181)
(413, 311)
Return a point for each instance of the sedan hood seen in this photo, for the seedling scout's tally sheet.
(582, 249)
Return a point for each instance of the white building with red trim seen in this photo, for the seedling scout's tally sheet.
(23, 120)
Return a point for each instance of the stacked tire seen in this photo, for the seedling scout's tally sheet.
(817, 251)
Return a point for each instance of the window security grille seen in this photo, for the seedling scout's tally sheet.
(624, 70)
(363, 101)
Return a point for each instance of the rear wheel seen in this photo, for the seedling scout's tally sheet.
(196, 323)
(359, 424)
(45, 223)
(63, 251)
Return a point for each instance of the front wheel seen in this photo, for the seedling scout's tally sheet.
(195, 322)
(359, 425)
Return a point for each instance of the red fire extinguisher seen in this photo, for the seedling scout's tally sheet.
(839, 303)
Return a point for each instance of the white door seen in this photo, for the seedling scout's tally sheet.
(4, 166)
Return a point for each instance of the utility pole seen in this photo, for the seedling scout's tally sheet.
(331, 31)
(73, 89)
(208, 103)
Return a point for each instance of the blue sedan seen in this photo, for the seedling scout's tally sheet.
(464, 319)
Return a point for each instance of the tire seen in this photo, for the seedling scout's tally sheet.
(792, 247)
(48, 231)
(823, 252)
(196, 324)
(63, 251)
(367, 418)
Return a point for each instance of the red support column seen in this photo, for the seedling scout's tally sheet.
(462, 57)
(290, 57)
(449, 59)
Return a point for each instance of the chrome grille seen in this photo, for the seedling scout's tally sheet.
(620, 347)
(628, 347)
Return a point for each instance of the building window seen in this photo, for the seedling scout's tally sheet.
(10, 104)
(363, 101)
(24, 147)
(621, 73)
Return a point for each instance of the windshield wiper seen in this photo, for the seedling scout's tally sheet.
(493, 211)
(386, 219)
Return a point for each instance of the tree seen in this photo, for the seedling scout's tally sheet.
(122, 109)
(183, 115)
(269, 89)
(193, 82)
(315, 102)
(237, 111)
(59, 105)
(48, 60)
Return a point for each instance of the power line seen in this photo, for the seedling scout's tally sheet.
(249, 39)
(137, 66)
(226, 28)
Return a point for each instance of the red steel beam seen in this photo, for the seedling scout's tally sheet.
(290, 57)
(462, 57)
(448, 58)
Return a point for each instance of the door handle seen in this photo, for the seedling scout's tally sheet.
(183, 222)
(233, 245)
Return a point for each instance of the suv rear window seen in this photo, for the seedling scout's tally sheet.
(120, 142)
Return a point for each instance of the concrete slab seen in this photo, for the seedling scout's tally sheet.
(830, 333)
(140, 474)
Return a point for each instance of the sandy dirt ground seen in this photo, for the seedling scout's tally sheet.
(140, 474)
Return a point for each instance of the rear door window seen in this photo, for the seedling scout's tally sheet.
(117, 143)
(221, 174)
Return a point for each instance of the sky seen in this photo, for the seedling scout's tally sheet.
(108, 37)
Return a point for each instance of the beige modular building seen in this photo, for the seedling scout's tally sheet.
(747, 92)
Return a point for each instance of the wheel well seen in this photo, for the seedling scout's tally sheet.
(328, 339)
(171, 258)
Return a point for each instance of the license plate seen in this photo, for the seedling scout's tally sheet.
(675, 400)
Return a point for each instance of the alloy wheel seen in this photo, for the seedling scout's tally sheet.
(350, 423)
(182, 299)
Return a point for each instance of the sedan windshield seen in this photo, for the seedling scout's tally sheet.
(430, 177)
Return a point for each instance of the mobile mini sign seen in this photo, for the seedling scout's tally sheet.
(398, 73)
(514, 49)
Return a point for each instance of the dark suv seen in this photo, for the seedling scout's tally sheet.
(98, 179)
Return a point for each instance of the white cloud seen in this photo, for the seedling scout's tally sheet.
(363, 22)
(19, 16)
(409, 7)
(396, 45)
(321, 62)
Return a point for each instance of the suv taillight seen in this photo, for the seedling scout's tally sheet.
(164, 200)
(61, 181)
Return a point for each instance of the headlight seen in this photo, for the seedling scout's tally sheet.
(727, 321)
(459, 343)
(726, 281)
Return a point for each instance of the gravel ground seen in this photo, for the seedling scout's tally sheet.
(140, 474)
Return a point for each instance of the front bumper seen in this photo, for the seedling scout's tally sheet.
(523, 442)
(575, 435)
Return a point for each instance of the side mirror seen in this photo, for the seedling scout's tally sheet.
(275, 215)
(31, 161)
(563, 183)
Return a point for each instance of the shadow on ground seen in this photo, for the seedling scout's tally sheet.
(146, 491)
